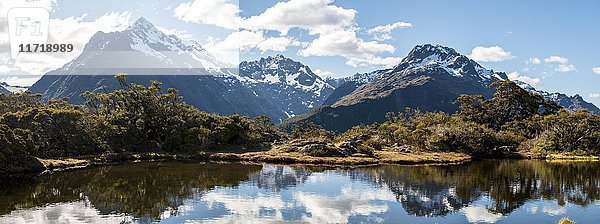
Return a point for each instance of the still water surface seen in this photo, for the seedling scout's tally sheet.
(169, 192)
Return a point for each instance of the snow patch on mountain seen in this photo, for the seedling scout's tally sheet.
(288, 82)
(429, 56)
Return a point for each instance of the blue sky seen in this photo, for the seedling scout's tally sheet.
(527, 33)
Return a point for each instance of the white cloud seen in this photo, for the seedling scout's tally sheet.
(535, 61)
(221, 13)
(245, 40)
(73, 30)
(594, 95)
(182, 34)
(525, 79)
(563, 64)
(385, 32)
(278, 44)
(596, 70)
(323, 74)
(368, 61)
(558, 59)
(316, 16)
(490, 54)
(332, 25)
(282, 17)
(565, 68)
(345, 43)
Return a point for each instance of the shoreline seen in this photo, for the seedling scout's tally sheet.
(413, 159)
(427, 158)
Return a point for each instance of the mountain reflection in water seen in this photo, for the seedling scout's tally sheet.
(486, 191)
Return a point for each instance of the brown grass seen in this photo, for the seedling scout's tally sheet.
(566, 221)
(272, 156)
(64, 163)
(380, 157)
(566, 157)
(394, 157)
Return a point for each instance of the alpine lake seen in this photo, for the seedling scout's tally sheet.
(488, 191)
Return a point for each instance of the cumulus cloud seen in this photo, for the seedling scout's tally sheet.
(221, 13)
(345, 43)
(525, 79)
(283, 16)
(331, 27)
(381, 61)
(596, 70)
(490, 54)
(594, 95)
(245, 40)
(385, 32)
(563, 64)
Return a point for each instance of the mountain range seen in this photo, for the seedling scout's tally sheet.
(429, 78)
(274, 86)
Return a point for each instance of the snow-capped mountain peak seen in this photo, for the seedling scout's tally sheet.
(142, 23)
(143, 49)
(423, 54)
(280, 69)
(147, 34)
(292, 83)
(429, 57)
